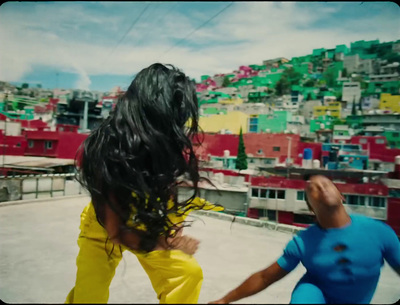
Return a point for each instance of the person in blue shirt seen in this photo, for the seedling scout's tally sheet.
(343, 254)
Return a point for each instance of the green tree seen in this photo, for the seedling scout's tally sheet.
(282, 86)
(241, 159)
(309, 83)
(226, 82)
(360, 104)
(329, 76)
(309, 97)
(292, 76)
(289, 78)
(392, 57)
(25, 86)
(344, 72)
(353, 110)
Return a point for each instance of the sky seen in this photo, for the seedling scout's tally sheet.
(99, 45)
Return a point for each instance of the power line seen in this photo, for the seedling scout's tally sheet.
(191, 33)
(130, 28)
(163, 16)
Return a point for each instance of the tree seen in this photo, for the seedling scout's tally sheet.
(309, 97)
(344, 72)
(25, 86)
(241, 159)
(226, 82)
(329, 76)
(360, 104)
(292, 76)
(289, 78)
(353, 110)
(282, 86)
(309, 83)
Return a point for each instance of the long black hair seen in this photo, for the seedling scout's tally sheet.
(144, 147)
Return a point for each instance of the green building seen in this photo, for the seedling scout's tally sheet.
(318, 52)
(342, 48)
(258, 67)
(315, 124)
(213, 110)
(362, 46)
(393, 138)
(354, 121)
(276, 122)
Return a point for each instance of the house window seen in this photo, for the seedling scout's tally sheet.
(31, 144)
(260, 151)
(254, 192)
(380, 141)
(377, 202)
(61, 129)
(263, 193)
(18, 144)
(280, 194)
(271, 194)
(276, 148)
(300, 195)
(253, 124)
(363, 141)
(352, 199)
(49, 145)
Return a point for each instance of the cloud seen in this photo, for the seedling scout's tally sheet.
(79, 37)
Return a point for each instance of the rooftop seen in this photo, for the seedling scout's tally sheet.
(38, 250)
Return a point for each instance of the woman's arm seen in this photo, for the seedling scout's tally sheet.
(254, 284)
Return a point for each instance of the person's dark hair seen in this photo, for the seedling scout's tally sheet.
(143, 147)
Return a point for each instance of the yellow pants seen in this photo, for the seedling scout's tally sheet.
(176, 277)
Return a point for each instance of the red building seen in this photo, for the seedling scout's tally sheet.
(377, 147)
(258, 145)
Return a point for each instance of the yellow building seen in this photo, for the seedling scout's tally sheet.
(390, 102)
(334, 109)
(232, 121)
(231, 101)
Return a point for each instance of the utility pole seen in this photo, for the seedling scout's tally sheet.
(289, 150)
(85, 115)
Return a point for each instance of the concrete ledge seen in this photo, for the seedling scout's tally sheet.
(58, 198)
(252, 222)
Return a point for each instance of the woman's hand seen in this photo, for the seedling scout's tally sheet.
(185, 243)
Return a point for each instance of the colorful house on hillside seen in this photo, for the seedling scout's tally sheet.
(390, 102)
(225, 123)
(321, 122)
(333, 109)
(275, 122)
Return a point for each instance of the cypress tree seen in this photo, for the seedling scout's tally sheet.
(241, 159)
(353, 110)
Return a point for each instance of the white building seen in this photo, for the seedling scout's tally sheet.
(351, 91)
(351, 63)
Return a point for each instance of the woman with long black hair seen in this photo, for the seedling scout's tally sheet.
(132, 165)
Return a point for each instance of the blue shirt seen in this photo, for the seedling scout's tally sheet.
(345, 263)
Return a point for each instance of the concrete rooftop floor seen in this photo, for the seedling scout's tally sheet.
(38, 250)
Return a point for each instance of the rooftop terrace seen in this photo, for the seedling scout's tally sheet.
(38, 250)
